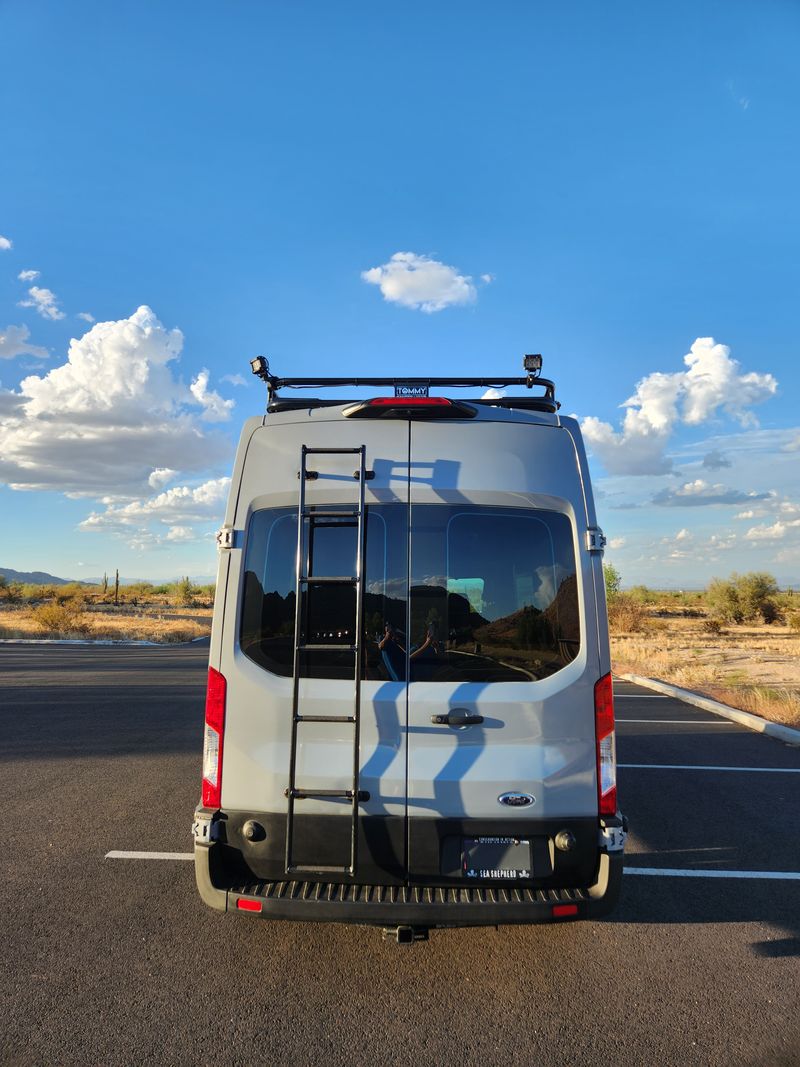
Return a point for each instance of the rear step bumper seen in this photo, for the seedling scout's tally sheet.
(417, 906)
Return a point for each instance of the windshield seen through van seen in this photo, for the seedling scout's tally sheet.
(492, 594)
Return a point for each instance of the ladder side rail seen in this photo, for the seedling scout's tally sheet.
(299, 585)
(359, 654)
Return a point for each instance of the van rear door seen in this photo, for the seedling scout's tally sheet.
(503, 634)
(258, 663)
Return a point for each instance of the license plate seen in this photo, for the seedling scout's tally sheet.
(500, 858)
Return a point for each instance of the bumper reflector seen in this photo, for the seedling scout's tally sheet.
(248, 905)
(561, 911)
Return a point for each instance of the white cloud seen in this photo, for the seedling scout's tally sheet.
(712, 383)
(683, 535)
(5, 243)
(181, 534)
(617, 542)
(160, 477)
(776, 532)
(233, 379)
(487, 279)
(700, 493)
(29, 275)
(215, 408)
(14, 342)
(179, 506)
(422, 283)
(109, 416)
(86, 316)
(44, 301)
(493, 394)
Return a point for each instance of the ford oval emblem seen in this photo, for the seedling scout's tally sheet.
(516, 800)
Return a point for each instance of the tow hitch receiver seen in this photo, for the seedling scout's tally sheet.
(405, 935)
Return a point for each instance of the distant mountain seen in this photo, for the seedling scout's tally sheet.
(33, 577)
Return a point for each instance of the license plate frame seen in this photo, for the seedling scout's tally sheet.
(496, 858)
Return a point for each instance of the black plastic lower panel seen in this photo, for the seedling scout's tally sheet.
(434, 857)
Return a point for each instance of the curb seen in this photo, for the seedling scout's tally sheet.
(786, 734)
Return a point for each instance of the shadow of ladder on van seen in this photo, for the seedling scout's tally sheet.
(308, 519)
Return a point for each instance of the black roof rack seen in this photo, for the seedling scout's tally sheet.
(413, 387)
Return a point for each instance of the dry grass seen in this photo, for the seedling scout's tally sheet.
(753, 667)
(49, 622)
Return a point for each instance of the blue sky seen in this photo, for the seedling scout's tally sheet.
(607, 184)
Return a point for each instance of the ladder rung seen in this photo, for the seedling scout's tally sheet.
(325, 718)
(326, 794)
(333, 451)
(317, 515)
(327, 648)
(297, 868)
(337, 580)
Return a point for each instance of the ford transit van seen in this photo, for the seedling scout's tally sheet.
(409, 716)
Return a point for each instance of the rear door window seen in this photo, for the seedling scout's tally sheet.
(493, 594)
(327, 611)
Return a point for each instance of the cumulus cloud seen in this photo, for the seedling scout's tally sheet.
(775, 532)
(5, 243)
(111, 415)
(715, 461)
(700, 494)
(179, 506)
(29, 275)
(617, 542)
(233, 379)
(14, 342)
(683, 535)
(86, 316)
(711, 383)
(415, 281)
(180, 534)
(44, 301)
(215, 408)
(160, 477)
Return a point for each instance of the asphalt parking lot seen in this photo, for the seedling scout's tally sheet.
(118, 962)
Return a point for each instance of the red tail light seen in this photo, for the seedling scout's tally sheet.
(212, 741)
(606, 746)
(410, 402)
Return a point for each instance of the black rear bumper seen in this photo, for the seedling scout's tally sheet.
(424, 906)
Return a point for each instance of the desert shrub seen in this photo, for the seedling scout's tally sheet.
(642, 594)
(743, 596)
(794, 623)
(182, 593)
(10, 592)
(625, 615)
(612, 579)
(61, 619)
(713, 627)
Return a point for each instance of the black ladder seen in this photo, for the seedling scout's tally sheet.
(309, 518)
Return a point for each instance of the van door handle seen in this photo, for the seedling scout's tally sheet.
(457, 717)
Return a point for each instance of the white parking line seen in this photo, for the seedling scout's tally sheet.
(672, 872)
(683, 722)
(149, 855)
(708, 767)
(667, 872)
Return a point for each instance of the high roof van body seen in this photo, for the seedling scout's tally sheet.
(409, 719)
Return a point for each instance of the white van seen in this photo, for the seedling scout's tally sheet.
(409, 719)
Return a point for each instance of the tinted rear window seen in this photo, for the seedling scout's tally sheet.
(492, 594)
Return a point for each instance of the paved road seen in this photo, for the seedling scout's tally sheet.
(118, 962)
